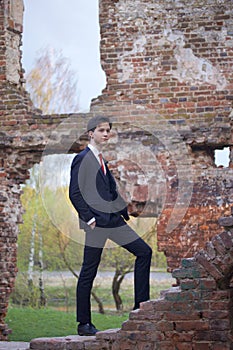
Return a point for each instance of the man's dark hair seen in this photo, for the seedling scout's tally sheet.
(95, 121)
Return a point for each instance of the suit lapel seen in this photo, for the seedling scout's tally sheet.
(96, 164)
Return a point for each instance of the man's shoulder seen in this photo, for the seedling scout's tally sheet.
(83, 152)
(78, 158)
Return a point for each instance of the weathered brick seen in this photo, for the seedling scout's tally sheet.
(183, 346)
(202, 346)
(186, 314)
(186, 263)
(215, 314)
(210, 250)
(221, 346)
(180, 337)
(227, 239)
(194, 325)
(226, 222)
(213, 270)
(219, 324)
(177, 85)
(212, 336)
(219, 246)
(193, 272)
(207, 284)
(165, 326)
(178, 296)
(188, 284)
(48, 343)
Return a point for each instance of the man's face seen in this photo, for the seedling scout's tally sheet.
(101, 134)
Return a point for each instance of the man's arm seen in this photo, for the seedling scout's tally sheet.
(123, 205)
(120, 203)
(75, 194)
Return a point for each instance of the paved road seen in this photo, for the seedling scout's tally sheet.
(159, 276)
(53, 278)
(11, 345)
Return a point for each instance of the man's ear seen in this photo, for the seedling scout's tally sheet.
(90, 133)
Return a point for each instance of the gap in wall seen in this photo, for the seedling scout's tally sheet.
(222, 157)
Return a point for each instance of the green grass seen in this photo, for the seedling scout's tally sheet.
(28, 323)
(53, 321)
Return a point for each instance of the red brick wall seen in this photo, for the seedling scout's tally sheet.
(169, 90)
(174, 62)
(22, 141)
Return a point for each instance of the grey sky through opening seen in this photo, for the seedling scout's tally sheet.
(74, 29)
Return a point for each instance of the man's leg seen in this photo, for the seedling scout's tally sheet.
(128, 239)
(87, 275)
(141, 270)
(94, 243)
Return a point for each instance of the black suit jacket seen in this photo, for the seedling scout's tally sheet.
(94, 194)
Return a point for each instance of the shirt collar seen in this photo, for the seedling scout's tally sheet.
(94, 150)
(96, 153)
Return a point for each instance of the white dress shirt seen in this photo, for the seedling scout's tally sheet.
(96, 153)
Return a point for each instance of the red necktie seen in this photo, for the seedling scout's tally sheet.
(102, 162)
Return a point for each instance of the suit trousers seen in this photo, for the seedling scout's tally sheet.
(95, 240)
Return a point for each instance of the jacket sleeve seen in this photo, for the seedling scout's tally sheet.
(124, 213)
(75, 194)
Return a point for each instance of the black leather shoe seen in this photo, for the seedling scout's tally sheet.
(87, 329)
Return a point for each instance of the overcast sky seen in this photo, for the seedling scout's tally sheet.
(73, 27)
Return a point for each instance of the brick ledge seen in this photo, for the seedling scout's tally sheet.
(72, 342)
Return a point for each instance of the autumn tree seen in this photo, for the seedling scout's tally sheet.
(52, 84)
(53, 88)
(122, 262)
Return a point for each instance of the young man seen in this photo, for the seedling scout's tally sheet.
(103, 215)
